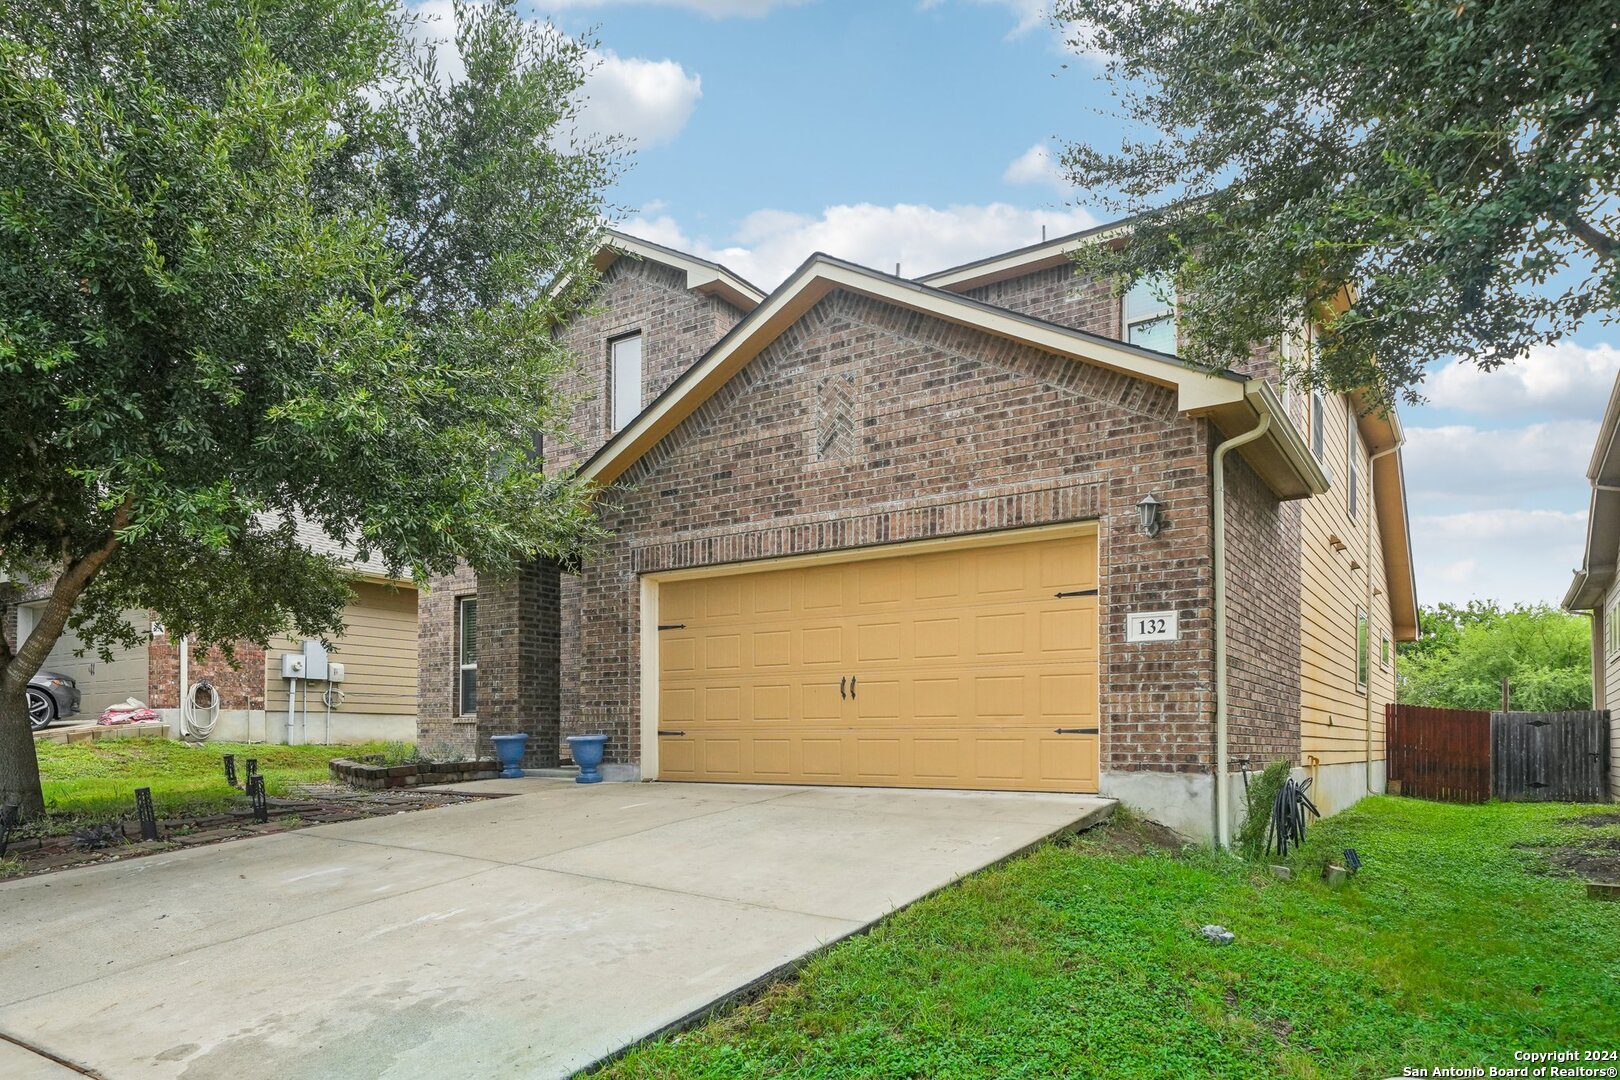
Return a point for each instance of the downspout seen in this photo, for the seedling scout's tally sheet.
(1223, 787)
(1371, 513)
(185, 672)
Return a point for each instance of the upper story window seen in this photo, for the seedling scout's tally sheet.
(1353, 456)
(1148, 312)
(624, 378)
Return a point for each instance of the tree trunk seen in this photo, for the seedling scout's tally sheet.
(19, 767)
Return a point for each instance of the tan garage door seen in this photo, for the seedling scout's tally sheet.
(950, 669)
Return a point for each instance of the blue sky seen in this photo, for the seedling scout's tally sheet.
(917, 132)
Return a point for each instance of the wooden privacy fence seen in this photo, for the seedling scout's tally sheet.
(1550, 757)
(1442, 754)
(1469, 756)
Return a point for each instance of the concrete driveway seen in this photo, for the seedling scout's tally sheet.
(525, 937)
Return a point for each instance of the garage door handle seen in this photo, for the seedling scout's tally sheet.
(852, 688)
(1077, 592)
(1075, 731)
(841, 681)
(661, 731)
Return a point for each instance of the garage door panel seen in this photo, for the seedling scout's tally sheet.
(822, 645)
(948, 669)
(822, 701)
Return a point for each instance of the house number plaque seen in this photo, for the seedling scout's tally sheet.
(1153, 626)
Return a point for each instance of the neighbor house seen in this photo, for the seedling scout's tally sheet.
(375, 699)
(960, 531)
(1596, 588)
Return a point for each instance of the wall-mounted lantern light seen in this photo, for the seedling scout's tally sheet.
(1149, 511)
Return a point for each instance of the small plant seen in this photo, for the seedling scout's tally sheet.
(400, 753)
(1262, 793)
(11, 868)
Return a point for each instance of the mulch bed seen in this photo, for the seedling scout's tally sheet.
(319, 804)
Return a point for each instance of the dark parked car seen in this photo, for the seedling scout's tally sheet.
(51, 696)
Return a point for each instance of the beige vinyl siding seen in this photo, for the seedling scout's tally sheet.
(1333, 708)
(377, 651)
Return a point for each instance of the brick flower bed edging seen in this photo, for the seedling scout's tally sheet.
(373, 777)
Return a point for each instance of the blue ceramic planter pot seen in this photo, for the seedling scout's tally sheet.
(587, 751)
(509, 751)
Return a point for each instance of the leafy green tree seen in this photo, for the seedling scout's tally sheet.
(1466, 652)
(1451, 166)
(260, 261)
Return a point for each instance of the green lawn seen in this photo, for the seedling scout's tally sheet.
(1084, 959)
(97, 781)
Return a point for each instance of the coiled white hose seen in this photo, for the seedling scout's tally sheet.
(190, 726)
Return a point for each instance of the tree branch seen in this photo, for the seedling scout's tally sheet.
(75, 577)
(1604, 245)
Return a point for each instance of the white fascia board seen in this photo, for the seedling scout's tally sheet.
(701, 276)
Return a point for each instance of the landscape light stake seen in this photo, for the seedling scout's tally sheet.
(261, 805)
(252, 768)
(147, 815)
(8, 821)
(230, 769)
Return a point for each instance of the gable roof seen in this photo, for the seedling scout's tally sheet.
(702, 276)
(1234, 403)
(1597, 572)
(1024, 260)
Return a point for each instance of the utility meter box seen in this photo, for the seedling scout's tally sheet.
(314, 660)
(334, 672)
(292, 665)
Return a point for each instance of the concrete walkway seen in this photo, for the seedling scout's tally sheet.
(523, 937)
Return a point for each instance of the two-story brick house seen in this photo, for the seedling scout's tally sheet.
(964, 531)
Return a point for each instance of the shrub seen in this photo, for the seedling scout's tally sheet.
(1251, 837)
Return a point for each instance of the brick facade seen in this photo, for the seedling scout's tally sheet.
(517, 692)
(864, 424)
(440, 730)
(959, 433)
(240, 686)
(677, 326)
(1263, 609)
(1057, 295)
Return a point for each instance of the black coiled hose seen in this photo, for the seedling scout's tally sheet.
(1287, 826)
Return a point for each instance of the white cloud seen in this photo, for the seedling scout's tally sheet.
(1514, 556)
(1458, 464)
(647, 100)
(716, 8)
(1561, 380)
(1027, 14)
(770, 244)
(1036, 166)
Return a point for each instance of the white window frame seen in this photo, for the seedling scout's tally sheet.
(462, 666)
(1611, 630)
(1386, 651)
(624, 395)
(1162, 307)
(1363, 659)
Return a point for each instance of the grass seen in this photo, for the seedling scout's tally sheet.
(97, 781)
(1084, 959)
